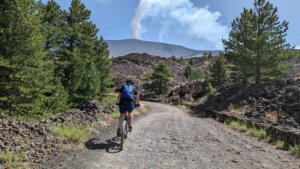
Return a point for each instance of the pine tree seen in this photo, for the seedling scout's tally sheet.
(188, 71)
(193, 73)
(160, 78)
(52, 20)
(256, 46)
(86, 57)
(26, 73)
(79, 30)
(52, 25)
(103, 65)
(218, 70)
(84, 80)
(191, 62)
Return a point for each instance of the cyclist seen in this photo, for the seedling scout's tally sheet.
(128, 99)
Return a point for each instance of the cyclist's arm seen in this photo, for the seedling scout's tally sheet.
(119, 90)
(136, 97)
(118, 99)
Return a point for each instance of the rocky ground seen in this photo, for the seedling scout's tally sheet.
(36, 140)
(277, 103)
(189, 92)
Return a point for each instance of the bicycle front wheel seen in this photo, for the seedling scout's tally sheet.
(124, 132)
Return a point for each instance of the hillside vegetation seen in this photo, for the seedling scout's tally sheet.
(140, 68)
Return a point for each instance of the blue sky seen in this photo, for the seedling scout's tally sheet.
(197, 24)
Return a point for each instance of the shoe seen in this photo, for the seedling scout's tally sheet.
(130, 129)
(119, 132)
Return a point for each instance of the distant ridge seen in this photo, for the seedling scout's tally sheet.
(127, 46)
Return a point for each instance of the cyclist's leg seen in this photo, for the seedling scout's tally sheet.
(130, 119)
(121, 120)
(122, 110)
(130, 115)
(137, 99)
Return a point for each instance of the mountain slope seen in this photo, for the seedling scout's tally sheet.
(127, 46)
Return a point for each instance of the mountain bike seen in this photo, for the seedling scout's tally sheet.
(125, 128)
(124, 131)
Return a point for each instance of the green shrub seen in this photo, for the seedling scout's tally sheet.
(295, 149)
(173, 58)
(12, 160)
(259, 133)
(184, 104)
(237, 126)
(116, 115)
(218, 70)
(227, 121)
(279, 144)
(269, 139)
(250, 131)
(231, 108)
(210, 89)
(193, 73)
(160, 78)
(71, 132)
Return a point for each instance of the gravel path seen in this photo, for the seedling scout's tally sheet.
(171, 138)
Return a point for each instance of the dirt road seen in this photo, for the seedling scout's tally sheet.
(171, 138)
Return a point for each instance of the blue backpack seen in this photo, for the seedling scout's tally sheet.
(128, 92)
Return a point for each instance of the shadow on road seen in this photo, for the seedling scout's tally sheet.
(111, 145)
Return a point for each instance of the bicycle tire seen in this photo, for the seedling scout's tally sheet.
(124, 132)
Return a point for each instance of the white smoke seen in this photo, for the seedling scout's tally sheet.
(194, 21)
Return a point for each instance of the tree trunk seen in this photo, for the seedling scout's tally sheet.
(258, 69)
(160, 86)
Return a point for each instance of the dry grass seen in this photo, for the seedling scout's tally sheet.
(272, 116)
(237, 126)
(13, 160)
(203, 99)
(262, 134)
(279, 144)
(239, 111)
(103, 123)
(259, 133)
(71, 132)
(295, 149)
(250, 131)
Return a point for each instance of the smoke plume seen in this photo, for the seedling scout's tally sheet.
(181, 14)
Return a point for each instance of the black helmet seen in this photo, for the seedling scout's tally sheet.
(129, 81)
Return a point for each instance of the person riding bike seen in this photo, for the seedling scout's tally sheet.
(128, 99)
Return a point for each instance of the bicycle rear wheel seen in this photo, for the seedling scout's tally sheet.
(124, 132)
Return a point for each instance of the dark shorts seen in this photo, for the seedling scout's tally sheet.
(123, 108)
